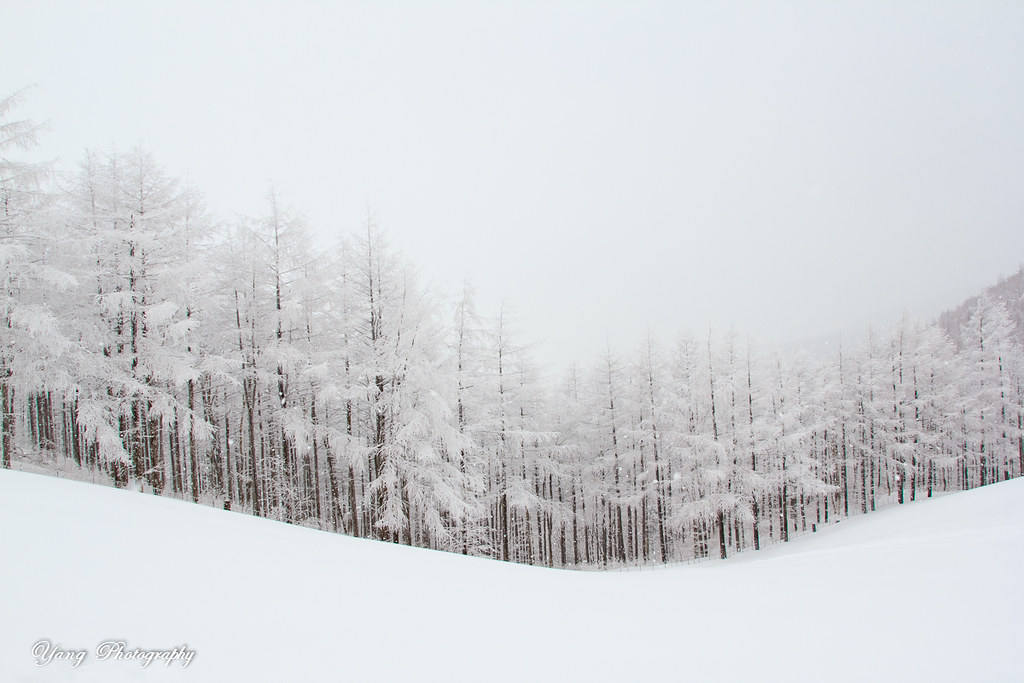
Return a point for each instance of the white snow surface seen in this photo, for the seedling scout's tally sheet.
(930, 591)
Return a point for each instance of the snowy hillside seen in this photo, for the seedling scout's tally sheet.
(929, 592)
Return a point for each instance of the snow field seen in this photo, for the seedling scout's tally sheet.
(926, 592)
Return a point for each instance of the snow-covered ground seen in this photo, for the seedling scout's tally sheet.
(928, 592)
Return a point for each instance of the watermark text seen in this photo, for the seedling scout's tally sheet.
(46, 652)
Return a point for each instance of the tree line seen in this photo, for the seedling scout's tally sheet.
(232, 363)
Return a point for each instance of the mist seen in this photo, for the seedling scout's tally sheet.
(793, 171)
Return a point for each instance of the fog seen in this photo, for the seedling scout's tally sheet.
(795, 170)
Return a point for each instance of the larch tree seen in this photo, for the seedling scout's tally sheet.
(133, 216)
(29, 271)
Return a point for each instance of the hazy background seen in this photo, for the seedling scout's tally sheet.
(794, 168)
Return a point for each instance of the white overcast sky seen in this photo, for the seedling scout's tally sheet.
(606, 167)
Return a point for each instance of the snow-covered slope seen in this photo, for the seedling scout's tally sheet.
(927, 592)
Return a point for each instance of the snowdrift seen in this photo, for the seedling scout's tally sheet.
(930, 591)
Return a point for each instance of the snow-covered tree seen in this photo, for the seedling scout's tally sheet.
(31, 332)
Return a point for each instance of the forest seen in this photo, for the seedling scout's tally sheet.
(235, 363)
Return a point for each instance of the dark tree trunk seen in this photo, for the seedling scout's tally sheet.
(7, 417)
(193, 465)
